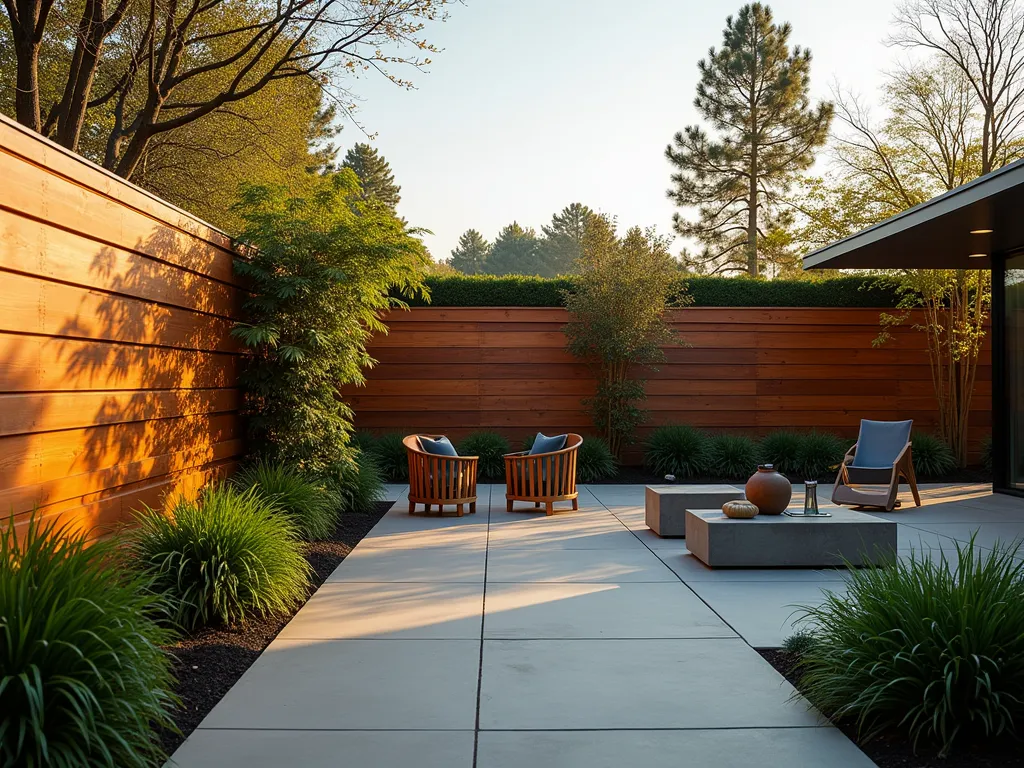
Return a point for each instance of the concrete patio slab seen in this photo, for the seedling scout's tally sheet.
(601, 611)
(575, 565)
(391, 611)
(740, 748)
(689, 568)
(325, 749)
(986, 534)
(582, 531)
(650, 684)
(357, 685)
(764, 613)
(390, 564)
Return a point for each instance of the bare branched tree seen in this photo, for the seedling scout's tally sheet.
(139, 69)
(984, 40)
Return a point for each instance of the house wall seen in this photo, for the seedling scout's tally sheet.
(118, 376)
(746, 370)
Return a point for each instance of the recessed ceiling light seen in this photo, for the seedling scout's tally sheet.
(977, 256)
(981, 231)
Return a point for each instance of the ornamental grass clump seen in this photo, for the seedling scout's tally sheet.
(594, 461)
(927, 647)
(83, 680)
(731, 457)
(782, 451)
(306, 502)
(932, 457)
(358, 485)
(678, 450)
(221, 559)
(491, 448)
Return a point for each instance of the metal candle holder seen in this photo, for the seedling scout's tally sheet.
(810, 502)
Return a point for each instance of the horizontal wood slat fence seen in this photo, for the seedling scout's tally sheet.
(746, 370)
(118, 375)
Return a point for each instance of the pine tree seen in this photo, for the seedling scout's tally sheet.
(563, 239)
(516, 251)
(471, 254)
(374, 174)
(754, 93)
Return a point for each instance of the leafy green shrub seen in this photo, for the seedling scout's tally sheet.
(83, 680)
(594, 461)
(308, 504)
(676, 449)
(925, 646)
(321, 272)
(781, 450)
(491, 448)
(224, 557)
(705, 290)
(820, 454)
(389, 454)
(731, 456)
(932, 457)
(357, 485)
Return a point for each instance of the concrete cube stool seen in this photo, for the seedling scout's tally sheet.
(665, 505)
(770, 541)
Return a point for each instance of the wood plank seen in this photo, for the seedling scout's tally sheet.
(75, 490)
(31, 305)
(44, 456)
(36, 248)
(46, 155)
(37, 363)
(51, 411)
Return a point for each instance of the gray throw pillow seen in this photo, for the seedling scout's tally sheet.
(440, 447)
(545, 444)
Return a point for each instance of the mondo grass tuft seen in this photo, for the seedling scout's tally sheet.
(307, 503)
(223, 558)
(782, 451)
(732, 457)
(820, 455)
(388, 452)
(595, 461)
(676, 449)
(932, 456)
(491, 448)
(83, 680)
(929, 647)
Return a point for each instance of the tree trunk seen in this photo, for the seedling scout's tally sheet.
(26, 100)
(76, 93)
(752, 219)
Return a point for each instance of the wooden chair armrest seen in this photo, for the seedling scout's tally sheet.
(516, 454)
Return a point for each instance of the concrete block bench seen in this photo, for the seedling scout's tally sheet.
(770, 541)
(665, 506)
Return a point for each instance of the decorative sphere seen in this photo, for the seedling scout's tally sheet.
(741, 510)
(769, 490)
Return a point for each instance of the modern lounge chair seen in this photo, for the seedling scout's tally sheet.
(879, 458)
(438, 475)
(545, 474)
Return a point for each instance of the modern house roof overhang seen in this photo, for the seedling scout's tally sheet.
(958, 230)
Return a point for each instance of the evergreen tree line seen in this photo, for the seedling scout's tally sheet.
(519, 250)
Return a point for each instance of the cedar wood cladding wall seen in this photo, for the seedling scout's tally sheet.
(117, 370)
(747, 370)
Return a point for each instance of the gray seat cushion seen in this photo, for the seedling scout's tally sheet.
(440, 447)
(545, 444)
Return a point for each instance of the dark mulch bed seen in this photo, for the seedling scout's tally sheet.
(642, 476)
(896, 752)
(208, 663)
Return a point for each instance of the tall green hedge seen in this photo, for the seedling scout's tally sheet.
(522, 291)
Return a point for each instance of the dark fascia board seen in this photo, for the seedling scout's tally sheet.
(973, 192)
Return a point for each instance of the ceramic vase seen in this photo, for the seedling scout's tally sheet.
(769, 491)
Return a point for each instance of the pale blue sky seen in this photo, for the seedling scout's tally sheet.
(535, 104)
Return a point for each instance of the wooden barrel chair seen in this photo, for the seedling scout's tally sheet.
(439, 480)
(543, 478)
